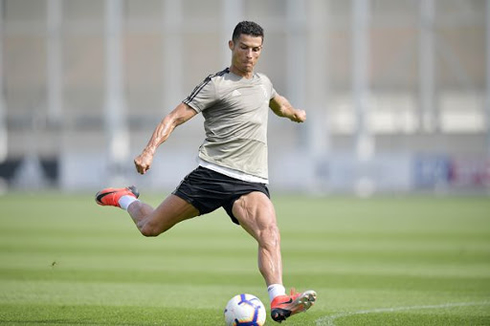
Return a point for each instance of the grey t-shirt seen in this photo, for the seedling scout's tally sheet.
(235, 110)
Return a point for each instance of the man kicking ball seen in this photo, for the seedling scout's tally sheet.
(233, 169)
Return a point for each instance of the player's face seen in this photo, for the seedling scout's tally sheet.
(245, 53)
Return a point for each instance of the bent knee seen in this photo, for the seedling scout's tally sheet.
(149, 230)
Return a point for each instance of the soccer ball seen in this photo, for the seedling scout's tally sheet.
(245, 310)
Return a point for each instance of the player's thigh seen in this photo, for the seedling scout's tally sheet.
(256, 214)
(170, 212)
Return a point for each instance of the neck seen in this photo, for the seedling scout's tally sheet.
(238, 72)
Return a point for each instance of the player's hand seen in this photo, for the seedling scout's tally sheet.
(143, 162)
(299, 116)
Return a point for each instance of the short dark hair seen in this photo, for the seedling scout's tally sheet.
(247, 28)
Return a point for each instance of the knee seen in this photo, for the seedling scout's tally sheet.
(149, 230)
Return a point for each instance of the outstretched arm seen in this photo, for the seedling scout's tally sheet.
(281, 107)
(178, 116)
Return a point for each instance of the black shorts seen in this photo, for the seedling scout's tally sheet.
(208, 190)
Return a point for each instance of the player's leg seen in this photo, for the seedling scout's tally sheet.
(150, 222)
(256, 215)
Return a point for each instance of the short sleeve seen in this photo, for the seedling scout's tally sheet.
(268, 86)
(273, 92)
(203, 95)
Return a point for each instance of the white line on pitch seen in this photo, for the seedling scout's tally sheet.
(330, 320)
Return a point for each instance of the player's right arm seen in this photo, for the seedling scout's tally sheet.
(178, 116)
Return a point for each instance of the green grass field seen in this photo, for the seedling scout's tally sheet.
(383, 261)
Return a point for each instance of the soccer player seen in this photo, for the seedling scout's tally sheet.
(232, 171)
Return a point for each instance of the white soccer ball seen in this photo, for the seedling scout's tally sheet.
(245, 310)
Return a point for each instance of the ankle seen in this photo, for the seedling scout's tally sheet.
(125, 201)
(275, 290)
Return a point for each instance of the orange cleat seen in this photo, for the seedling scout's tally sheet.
(284, 306)
(110, 196)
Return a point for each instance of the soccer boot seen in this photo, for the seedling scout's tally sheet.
(284, 306)
(110, 196)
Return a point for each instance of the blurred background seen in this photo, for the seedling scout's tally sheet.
(397, 92)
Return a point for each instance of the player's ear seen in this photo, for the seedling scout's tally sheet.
(231, 44)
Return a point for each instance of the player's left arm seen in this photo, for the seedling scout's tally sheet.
(281, 107)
